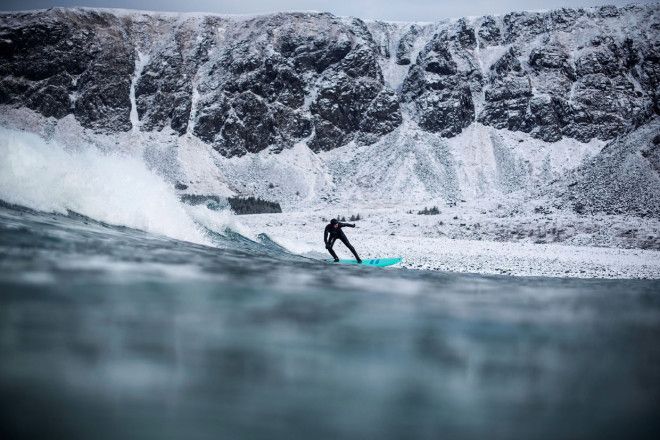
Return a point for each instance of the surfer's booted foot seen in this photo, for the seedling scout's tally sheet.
(333, 232)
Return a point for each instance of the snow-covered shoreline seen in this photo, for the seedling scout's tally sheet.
(301, 233)
(496, 234)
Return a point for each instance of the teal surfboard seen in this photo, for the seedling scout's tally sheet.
(376, 262)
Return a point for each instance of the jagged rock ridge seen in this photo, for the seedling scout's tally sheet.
(247, 84)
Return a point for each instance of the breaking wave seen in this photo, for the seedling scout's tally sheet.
(108, 187)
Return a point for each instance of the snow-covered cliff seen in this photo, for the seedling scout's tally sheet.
(309, 108)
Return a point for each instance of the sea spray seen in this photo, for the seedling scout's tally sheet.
(112, 188)
(219, 221)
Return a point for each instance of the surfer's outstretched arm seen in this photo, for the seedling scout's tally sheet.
(347, 225)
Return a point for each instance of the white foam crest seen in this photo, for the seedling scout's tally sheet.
(219, 221)
(115, 189)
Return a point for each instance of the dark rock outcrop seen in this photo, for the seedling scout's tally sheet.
(489, 31)
(440, 93)
(164, 86)
(245, 85)
(598, 91)
(508, 94)
(58, 66)
(406, 43)
(465, 35)
(258, 93)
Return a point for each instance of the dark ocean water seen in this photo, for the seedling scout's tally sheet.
(109, 332)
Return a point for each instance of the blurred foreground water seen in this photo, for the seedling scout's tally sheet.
(109, 332)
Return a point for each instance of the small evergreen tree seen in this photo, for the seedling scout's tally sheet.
(253, 205)
(432, 211)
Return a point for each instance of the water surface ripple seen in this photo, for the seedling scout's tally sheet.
(109, 332)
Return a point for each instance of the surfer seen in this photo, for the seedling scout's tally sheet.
(333, 232)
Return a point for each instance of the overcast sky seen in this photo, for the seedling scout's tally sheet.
(403, 10)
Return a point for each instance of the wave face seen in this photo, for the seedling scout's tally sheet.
(126, 334)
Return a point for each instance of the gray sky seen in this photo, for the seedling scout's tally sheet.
(402, 10)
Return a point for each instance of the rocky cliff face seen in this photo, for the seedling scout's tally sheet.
(246, 84)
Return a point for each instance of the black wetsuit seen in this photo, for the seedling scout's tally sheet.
(331, 234)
